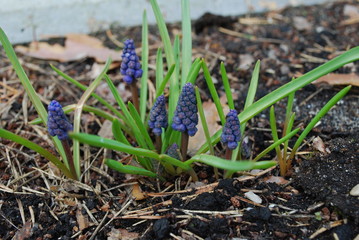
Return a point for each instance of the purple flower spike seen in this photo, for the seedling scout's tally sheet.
(131, 66)
(158, 116)
(57, 123)
(231, 133)
(185, 117)
(173, 151)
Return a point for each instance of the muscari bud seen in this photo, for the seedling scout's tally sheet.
(173, 151)
(231, 133)
(57, 123)
(158, 116)
(130, 66)
(185, 117)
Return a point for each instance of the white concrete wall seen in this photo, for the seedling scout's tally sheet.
(24, 19)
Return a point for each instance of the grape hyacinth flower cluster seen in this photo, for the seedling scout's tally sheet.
(57, 123)
(231, 134)
(185, 117)
(131, 66)
(158, 116)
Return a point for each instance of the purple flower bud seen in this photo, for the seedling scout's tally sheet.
(130, 66)
(158, 116)
(185, 117)
(231, 134)
(57, 123)
(172, 151)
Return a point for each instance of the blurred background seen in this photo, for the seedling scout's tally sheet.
(29, 20)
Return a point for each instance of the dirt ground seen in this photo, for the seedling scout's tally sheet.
(313, 202)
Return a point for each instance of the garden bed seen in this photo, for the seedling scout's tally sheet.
(312, 202)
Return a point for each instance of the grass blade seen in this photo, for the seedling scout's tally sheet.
(226, 86)
(203, 121)
(214, 94)
(159, 69)
(275, 144)
(144, 58)
(117, 132)
(160, 90)
(186, 40)
(273, 126)
(140, 126)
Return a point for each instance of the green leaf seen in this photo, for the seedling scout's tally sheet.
(117, 132)
(230, 165)
(203, 121)
(186, 40)
(273, 125)
(227, 87)
(128, 169)
(144, 86)
(214, 94)
(33, 146)
(140, 126)
(162, 87)
(193, 72)
(275, 144)
(159, 69)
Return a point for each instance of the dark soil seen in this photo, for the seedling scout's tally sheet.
(311, 203)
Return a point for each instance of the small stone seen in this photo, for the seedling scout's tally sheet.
(253, 197)
(355, 191)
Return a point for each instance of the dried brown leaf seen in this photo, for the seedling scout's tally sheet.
(77, 46)
(25, 232)
(339, 79)
(121, 234)
(82, 220)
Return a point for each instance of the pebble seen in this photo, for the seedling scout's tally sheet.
(355, 191)
(253, 197)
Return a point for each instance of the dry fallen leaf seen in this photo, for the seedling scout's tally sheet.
(121, 234)
(82, 220)
(25, 232)
(106, 129)
(339, 79)
(137, 192)
(212, 119)
(77, 46)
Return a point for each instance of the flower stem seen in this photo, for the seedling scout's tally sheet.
(134, 91)
(65, 144)
(184, 146)
(158, 144)
(228, 154)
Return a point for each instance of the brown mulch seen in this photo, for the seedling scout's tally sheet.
(313, 202)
